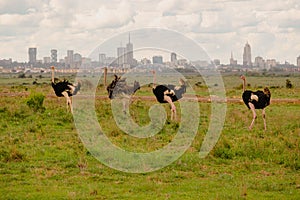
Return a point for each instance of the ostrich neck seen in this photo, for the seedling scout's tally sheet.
(52, 77)
(244, 85)
(154, 80)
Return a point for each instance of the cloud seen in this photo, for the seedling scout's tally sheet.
(105, 17)
(183, 23)
(17, 24)
(20, 7)
(220, 25)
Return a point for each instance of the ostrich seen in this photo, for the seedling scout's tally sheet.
(256, 100)
(65, 89)
(168, 93)
(118, 88)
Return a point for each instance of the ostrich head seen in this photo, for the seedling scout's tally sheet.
(267, 92)
(136, 86)
(182, 86)
(243, 77)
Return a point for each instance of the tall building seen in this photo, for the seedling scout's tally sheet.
(77, 60)
(102, 58)
(70, 58)
(217, 62)
(173, 57)
(259, 62)
(270, 63)
(53, 55)
(298, 61)
(32, 55)
(46, 60)
(157, 60)
(232, 61)
(247, 56)
(121, 55)
(129, 52)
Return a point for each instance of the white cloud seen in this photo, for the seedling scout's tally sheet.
(271, 28)
(104, 17)
(19, 20)
(20, 7)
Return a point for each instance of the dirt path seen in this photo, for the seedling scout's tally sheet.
(152, 98)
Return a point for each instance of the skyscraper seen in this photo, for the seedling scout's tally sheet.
(247, 56)
(32, 55)
(259, 62)
(102, 58)
(70, 58)
(121, 55)
(53, 55)
(173, 57)
(129, 52)
(298, 61)
(232, 61)
(157, 60)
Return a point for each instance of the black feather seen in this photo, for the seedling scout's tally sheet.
(65, 86)
(263, 99)
(119, 86)
(159, 92)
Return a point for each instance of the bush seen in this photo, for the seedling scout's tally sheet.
(35, 102)
(288, 84)
(22, 75)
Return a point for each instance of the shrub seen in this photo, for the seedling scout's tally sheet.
(224, 150)
(198, 84)
(11, 155)
(22, 75)
(288, 83)
(239, 87)
(35, 102)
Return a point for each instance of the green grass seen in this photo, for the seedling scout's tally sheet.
(42, 156)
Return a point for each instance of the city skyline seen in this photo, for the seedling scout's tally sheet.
(124, 55)
(220, 27)
(246, 60)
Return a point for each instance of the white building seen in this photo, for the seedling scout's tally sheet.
(270, 63)
(46, 60)
(70, 58)
(102, 58)
(259, 62)
(121, 56)
(247, 56)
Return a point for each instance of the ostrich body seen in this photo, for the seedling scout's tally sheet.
(64, 89)
(168, 93)
(256, 100)
(118, 88)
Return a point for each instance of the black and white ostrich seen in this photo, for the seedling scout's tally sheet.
(256, 100)
(65, 89)
(168, 93)
(118, 88)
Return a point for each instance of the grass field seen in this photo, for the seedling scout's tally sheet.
(42, 156)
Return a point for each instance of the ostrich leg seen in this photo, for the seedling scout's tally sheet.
(173, 107)
(254, 115)
(264, 118)
(69, 102)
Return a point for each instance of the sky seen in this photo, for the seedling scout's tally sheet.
(218, 26)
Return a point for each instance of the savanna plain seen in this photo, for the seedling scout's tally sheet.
(43, 157)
